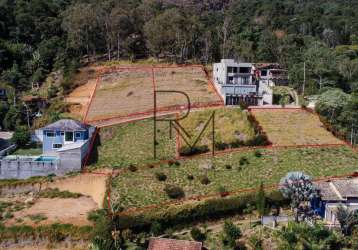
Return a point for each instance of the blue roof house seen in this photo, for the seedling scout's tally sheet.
(62, 134)
(65, 147)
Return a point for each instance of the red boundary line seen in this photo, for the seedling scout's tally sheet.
(142, 115)
(91, 99)
(210, 82)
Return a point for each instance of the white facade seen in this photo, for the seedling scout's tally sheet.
(238, 82)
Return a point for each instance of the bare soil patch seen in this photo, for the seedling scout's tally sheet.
(57, 210)
(92, 185)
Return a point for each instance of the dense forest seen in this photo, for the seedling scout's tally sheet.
(40, 36)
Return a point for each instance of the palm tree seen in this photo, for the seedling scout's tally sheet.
(347, 219)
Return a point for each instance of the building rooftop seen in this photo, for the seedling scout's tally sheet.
(171, 244)
(338, 190)
(67, 125)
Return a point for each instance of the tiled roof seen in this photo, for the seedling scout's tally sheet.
(171, 244)
(66, 124)
(338, 189)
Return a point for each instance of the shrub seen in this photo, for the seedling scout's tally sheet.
(56, 193)
(197, 235)
(160, 176)
(132, 168)
(188, 151)
(228, 167)
(190, 177)
(21, 136)
(230, 233)
(204, 180)
(243, 161)
(156, 228)
(258, 153)
(174, 192)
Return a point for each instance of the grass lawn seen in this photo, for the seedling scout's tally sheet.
(132, 143)
(293, 127)
(29, 150)
(231, 124)
(141, 188)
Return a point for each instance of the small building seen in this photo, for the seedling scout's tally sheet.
(248, 83)
(171, 244)
(340, 192)
(63, 133)
(235, 82)
(65, 145)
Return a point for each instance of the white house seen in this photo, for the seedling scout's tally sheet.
(247, 82)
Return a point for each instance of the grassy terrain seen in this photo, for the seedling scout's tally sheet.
(231, 124)
(132, 143)
(29, 150)
(293, 127)
(247, 170)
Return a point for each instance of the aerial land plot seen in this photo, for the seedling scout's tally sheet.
(127, 92)
(121, 93)
(229, 172)
(231, 125)
(287, 127)
(190, 80)
(132, 144)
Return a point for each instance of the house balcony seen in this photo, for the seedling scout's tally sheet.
(234, 89)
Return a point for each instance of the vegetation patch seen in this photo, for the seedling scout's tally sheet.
(132, 144)
(233, 128)
(54, 232)
(141, 189)
(56, 193)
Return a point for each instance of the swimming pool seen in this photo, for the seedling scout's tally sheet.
(47, 158)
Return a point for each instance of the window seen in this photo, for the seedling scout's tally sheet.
(68, 136)
(263, 72)
(231, 69)
(78, 135)
(62, 133)
(245, 80)
(56, 145)
(231, 79)
(245, 70)
(50, 134)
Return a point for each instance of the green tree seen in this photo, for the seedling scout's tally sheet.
(21, 136)
(347, 219)
(261, 200)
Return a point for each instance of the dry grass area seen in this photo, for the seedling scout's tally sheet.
(293, 127)
(127, 91)
(231, 125)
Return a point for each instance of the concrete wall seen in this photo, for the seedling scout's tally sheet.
(17, 169)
